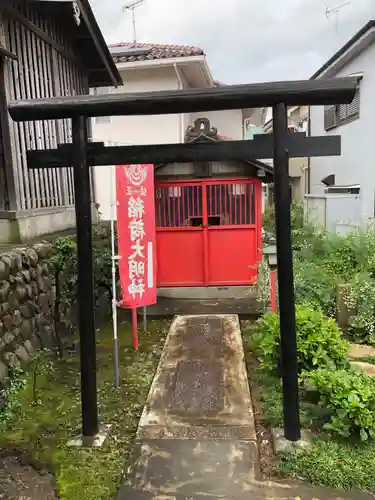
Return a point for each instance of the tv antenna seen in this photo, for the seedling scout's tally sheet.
(132, 6)
(335, 11)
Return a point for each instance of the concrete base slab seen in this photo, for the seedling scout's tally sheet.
(96, 441)
(191, 467)
(282, 445)
(168, 307)
(208, 292)
(264, 491)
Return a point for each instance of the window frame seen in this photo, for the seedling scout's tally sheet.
(342, 113)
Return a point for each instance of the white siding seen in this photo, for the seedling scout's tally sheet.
(356, 165)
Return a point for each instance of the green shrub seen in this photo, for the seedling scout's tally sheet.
(319, 341)
(313, 284)
(350, 397)
(296, 215)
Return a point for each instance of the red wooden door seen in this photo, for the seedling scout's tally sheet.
(208, 232)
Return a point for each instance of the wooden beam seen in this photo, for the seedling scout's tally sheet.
(298, 145)
(5, 53)
(6, 138)
(41, 34)
(309, 92)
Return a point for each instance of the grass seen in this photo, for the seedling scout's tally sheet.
(41, 427)
(367, 359)
(328, 461)
(332, 463)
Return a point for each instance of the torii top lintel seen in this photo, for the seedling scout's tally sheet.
(290, 93)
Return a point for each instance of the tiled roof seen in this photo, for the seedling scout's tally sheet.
(157, 51)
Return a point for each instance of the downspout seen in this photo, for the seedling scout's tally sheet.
(246, 122)
(309, 158)
(180, 116)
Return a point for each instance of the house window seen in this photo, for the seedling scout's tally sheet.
(101, 120)
(336, 115)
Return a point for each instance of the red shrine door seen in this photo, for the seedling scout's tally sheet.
(208, 232)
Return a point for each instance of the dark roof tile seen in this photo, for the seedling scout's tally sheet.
(157, 51)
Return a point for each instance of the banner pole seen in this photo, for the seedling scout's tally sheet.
(145, 319)
(135, 328)
(114, 291)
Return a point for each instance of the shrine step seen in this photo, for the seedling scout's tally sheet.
(166, 307)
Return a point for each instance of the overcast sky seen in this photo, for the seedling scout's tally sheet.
(245, 40)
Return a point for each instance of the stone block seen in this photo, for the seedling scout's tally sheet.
(29, 291)
(344, 311)
(282, 445)
(11, 360)
(8, 337)
(29, 347)
(43, 250)
(4, 290)
(7, 322)
(4, 309)
(367, 368)
(26, 275)
(4, 270)
(34, 288)
(13, 301)
(22, 355)
(26, 329)
(35, 342)
(44, 303)
(3, 373)
(17, 318)
(28, 310)
(41, 322)
(359, 351)
(39, 270)
(47, 338)
(21, 293)
(16, 261)
(32, 256)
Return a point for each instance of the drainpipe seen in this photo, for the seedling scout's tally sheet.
(180, 116)
(245, 125)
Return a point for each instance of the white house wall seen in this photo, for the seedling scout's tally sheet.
(156, 129)
(356, 165)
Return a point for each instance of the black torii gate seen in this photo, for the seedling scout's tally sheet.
(281, 145)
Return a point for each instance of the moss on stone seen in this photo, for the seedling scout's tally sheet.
(42, 428)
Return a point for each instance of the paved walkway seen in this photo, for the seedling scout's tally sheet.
(196, 437)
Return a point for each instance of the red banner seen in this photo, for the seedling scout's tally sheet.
(136, 234)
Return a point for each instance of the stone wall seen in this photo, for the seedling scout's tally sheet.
(27, 295)
(26, 299)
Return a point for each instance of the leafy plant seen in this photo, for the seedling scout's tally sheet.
(9, 395)
(63, 267)
(296, 213)
(350, 395)
(319, 341)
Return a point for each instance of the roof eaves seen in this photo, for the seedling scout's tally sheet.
(367, 27)
(99, 42)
